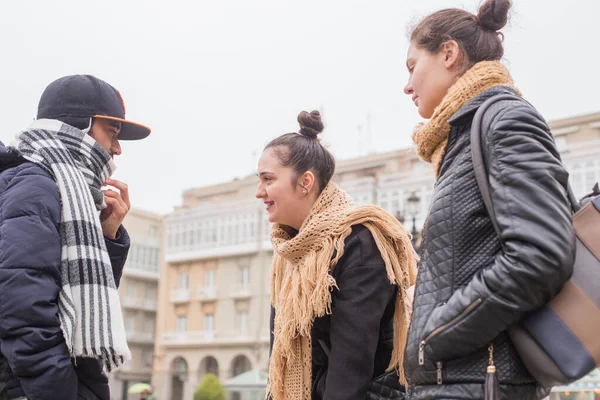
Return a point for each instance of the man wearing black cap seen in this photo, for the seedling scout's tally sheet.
(62, 245)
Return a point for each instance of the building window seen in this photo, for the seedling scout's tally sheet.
(209, 324)
(590, 176)
(181, 324)
(147, 358)
(144, 258)
(131, 290)
(245, 275)
(153, 232)
(150, 293)
(130, 324)
(171, 239)
(395, 203)
(384, 201)
(561, 144)
(190, 235)
(183, 281)
(149, 325)
(583, 177)
(243, 322)
(576, 179)
(210, 278)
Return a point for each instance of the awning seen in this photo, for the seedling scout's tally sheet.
(250, 380)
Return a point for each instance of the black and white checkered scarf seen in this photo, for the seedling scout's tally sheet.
(89, 307)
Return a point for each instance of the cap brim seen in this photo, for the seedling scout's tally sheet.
(129, 130)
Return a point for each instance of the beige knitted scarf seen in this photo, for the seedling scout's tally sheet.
(432, 138)
(301, 284)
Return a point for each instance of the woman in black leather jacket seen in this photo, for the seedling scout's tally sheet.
(473, 284)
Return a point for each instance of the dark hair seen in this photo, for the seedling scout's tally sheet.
(304, 152)
(477, 35)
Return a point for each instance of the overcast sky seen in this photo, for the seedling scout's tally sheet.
(216, 80)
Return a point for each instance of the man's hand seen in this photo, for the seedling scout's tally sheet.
(118, 206)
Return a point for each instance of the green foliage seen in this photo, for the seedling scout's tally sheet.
(210, 389)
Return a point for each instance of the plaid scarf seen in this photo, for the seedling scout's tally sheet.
(88, 306)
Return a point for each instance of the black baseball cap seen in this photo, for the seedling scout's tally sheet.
(74, 99)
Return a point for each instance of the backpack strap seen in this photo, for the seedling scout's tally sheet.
(481, 175)
(324, 347)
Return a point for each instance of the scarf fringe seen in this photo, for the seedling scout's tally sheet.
(301, 283)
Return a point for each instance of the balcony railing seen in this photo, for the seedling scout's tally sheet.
(208, 293)
(180, 296)
(241, 292)
(140, 337)
(185, 338)
(150, 305)
(137, 271)
(221, 230)
(133, 302)
(139, 303)
(200, 338)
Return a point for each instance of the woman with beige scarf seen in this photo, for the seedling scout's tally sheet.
(474, 282)
(339, 280)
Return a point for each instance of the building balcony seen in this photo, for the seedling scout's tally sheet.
(136, 271)
(138, 303)
(201, 251)
(207, 294)
(210, 339)
(241, 292)
(180, 296)
(132, 302)
(127, 367)
(217, 231)
(188, 338)
(150, 305)
(140, 337)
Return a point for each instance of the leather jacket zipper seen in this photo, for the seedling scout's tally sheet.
(442, 328)
(440, 366)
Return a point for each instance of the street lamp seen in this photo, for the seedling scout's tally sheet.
(412, 207)
(400, 217)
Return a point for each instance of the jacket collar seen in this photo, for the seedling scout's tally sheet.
(464, 114)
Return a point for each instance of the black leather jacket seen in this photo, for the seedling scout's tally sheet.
(469, 291)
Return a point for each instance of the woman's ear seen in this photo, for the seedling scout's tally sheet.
(306, 182)
(451, 52)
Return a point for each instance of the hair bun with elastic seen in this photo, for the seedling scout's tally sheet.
(310, 124)
(493, 14)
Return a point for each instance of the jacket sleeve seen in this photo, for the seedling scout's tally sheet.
(529, 198)
(30, 254)
(118, 249)
(358, 306)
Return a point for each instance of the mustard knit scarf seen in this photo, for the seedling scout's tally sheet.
(432, 138)
(301, 283)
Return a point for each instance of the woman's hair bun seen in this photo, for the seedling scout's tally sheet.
(493, 14)
(310, 124)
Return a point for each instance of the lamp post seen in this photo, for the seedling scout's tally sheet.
(400, 217)
(412, 205)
